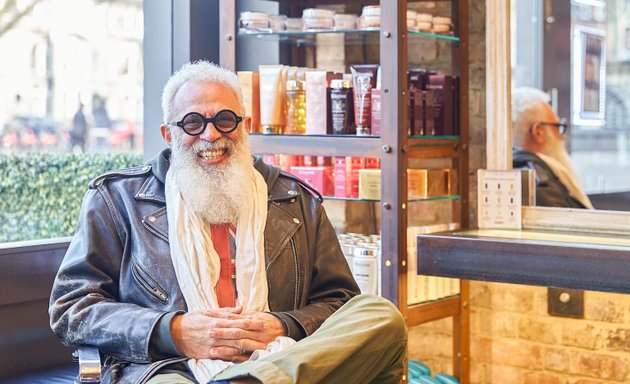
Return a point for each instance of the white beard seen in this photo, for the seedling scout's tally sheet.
(558, 159)
(213, 192)
(559, 152)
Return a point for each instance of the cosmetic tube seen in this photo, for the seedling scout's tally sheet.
(250, 84)
(316, 102)
(272, 85)
(363, 79)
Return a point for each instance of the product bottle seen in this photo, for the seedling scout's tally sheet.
(365, 268)
(296, 107)
(414, 78)
(342, 107)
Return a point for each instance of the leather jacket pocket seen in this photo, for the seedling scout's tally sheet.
(148, 283)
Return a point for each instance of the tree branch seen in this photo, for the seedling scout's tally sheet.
(17, 17)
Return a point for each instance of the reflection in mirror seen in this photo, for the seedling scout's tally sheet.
(538, 138)
(577, 52)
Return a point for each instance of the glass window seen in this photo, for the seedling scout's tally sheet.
(71, 105)
(601, 149)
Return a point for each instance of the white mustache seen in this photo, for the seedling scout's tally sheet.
(205, 145)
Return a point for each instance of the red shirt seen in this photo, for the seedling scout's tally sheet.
(226, 294)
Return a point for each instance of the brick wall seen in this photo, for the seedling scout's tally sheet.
(513, 340)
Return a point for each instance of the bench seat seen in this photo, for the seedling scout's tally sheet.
(61, 374)
(29, 351)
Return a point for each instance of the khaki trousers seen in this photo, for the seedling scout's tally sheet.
(365, 341)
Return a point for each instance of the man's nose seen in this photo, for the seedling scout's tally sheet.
(211, 133)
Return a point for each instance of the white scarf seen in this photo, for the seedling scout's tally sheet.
(567, 178)
(197, 264)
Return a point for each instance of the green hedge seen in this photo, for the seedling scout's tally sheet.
(41, 193)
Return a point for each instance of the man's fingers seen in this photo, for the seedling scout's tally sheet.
(246, 324)
(235, 355)
(245, 344)
(225, 313)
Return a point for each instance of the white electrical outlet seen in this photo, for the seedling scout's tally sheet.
(499, 199)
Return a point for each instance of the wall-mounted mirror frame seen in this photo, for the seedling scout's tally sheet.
(499, 134)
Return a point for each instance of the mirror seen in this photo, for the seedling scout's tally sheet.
(499, 138)
(578, 52)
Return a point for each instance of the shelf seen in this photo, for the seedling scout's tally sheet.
(316, 145)
(395, 149)
(349, 145)
(432, 310)
(417, 200)
(422, 147)
(586, 261)
(351, 36)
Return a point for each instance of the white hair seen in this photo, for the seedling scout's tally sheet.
(198, 71)
(527, 109)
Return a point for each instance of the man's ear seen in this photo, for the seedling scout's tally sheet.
(247, 124)
(537, 133)
(165, 130)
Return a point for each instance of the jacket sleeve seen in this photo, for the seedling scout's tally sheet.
(84, 307)
(332, 284)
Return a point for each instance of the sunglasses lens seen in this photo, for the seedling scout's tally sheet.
(226, 120)
(193, 123)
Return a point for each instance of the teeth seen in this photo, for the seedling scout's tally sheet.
(210, 154)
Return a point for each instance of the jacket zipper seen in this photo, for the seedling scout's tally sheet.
(152, 290)
(297, 275)
(157, 366)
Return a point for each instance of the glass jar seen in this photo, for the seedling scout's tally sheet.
(252, 22)
(317, 19)
(296, 107)
(342, 107)
(278, 23)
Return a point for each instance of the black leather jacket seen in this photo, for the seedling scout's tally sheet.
(550, 192)
(117, 280)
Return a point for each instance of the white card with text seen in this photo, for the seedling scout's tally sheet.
(499, 199)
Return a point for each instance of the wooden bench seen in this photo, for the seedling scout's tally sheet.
(29, 351)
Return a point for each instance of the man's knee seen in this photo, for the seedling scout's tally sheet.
(390, 320)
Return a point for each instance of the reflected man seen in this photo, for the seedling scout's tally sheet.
(539, 143)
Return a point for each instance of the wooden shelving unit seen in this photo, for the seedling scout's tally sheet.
(393, 146)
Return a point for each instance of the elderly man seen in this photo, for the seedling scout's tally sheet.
(538, 137)
(206, 257)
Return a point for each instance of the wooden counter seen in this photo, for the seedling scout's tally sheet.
(572, 260)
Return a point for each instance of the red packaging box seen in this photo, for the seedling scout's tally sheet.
(285, 162)
(353, 164)
(320, 178)
(270, 159)
(346, 175)
(342, 186)
(372, 163)
(310, 161)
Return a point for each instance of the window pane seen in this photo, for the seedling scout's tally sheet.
(70, 106)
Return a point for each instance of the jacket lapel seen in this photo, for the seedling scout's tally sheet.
(156, 222)
(281, 225)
